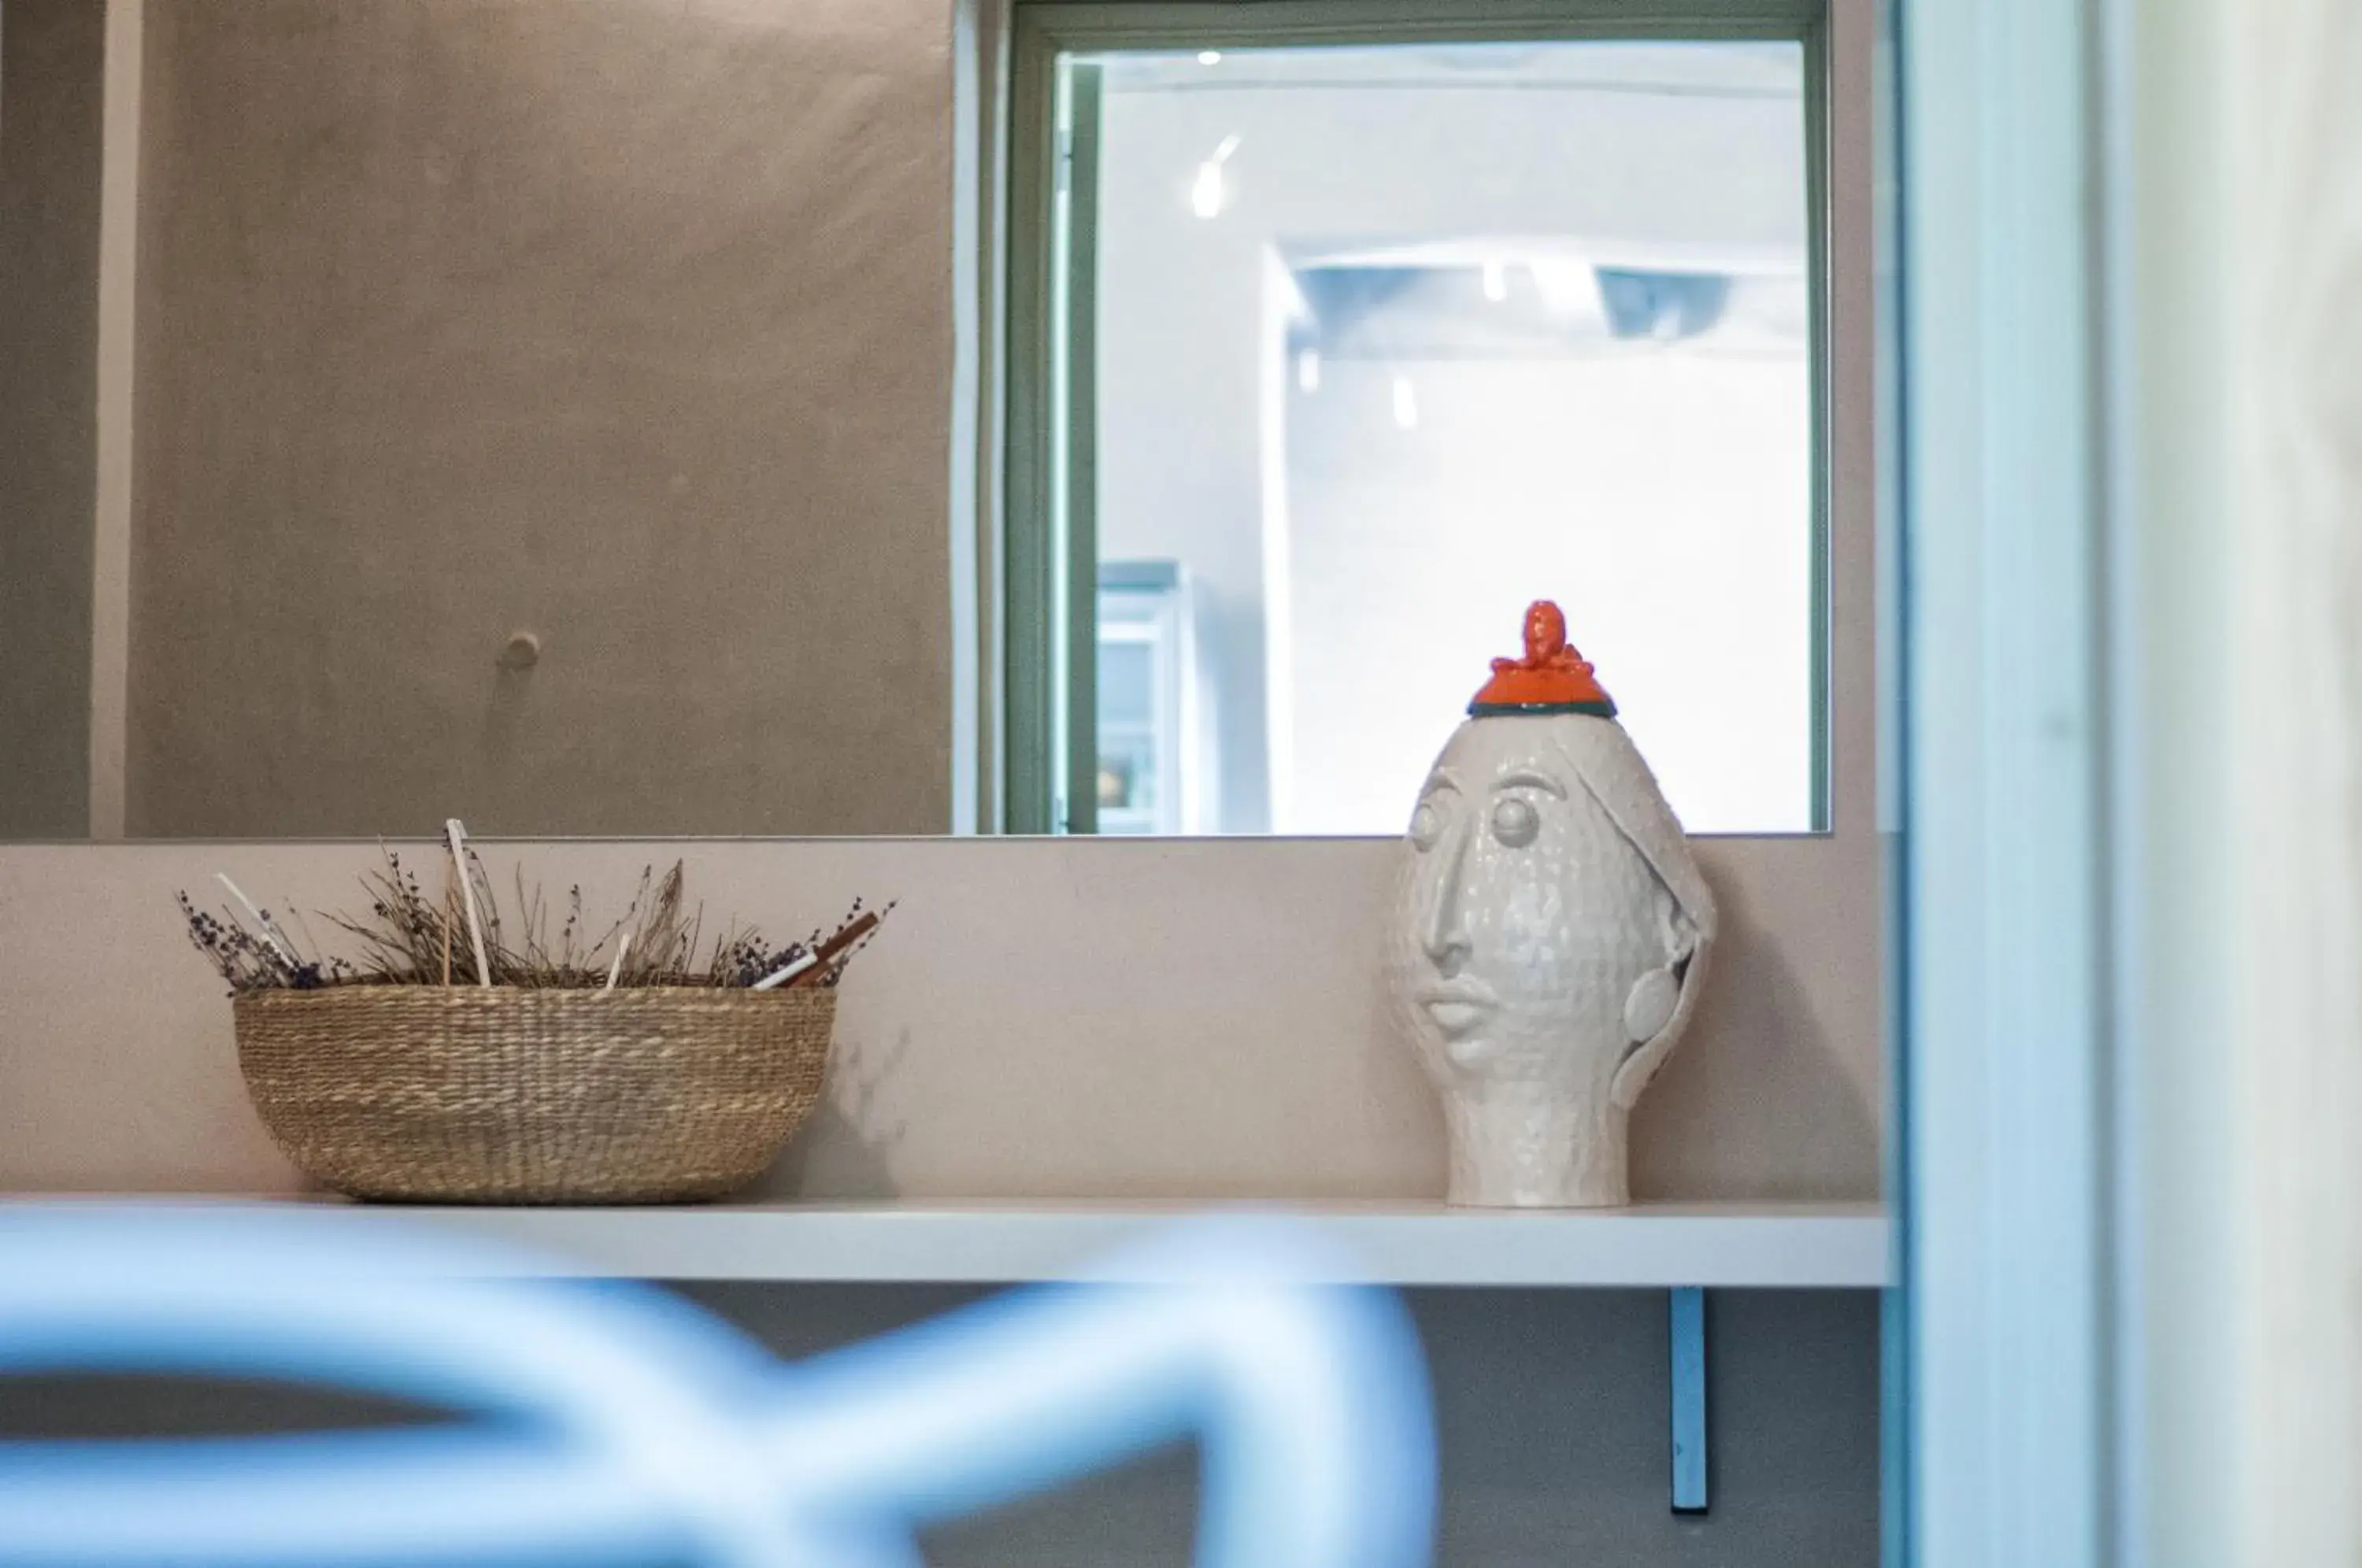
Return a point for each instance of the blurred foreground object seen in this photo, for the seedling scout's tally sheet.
(608, 1423)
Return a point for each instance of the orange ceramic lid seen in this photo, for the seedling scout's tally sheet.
(1552, 678)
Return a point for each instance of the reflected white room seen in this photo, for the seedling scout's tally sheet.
(1390, 340)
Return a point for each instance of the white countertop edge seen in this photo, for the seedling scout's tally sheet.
(1732, 1246)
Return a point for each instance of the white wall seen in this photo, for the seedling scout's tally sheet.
(2236, 196)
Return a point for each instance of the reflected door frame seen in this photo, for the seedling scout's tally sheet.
(1045, 655)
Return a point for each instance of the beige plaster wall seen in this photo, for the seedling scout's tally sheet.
(624, 325)
(1041, 1018)
(1045, 1018)
(51, 56)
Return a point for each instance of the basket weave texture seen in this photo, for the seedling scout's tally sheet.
(515, 1095)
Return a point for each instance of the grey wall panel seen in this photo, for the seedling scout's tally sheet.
(623, 324)
(52, 54)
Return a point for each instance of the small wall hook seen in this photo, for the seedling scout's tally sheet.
(522, 651)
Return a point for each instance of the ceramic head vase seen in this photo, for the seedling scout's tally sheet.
(1550, 935)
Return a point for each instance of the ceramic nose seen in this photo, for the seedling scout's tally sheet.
(1441, 934)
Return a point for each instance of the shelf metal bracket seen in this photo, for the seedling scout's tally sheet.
(1686, 1325)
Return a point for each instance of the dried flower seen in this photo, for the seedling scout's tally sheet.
(410, 940)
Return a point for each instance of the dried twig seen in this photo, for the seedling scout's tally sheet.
(405, 940)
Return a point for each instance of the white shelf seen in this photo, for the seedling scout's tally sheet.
(1759, 1245)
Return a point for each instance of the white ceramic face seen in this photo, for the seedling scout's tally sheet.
(1527, 917)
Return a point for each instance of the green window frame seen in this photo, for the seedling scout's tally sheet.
(1049, 609)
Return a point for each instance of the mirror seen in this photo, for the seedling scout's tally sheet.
(1386, 340)
(543, 413)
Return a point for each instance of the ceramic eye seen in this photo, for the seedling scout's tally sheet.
(1426, 823)
(1515, 821)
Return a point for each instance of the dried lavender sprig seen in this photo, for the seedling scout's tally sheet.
(406, 940)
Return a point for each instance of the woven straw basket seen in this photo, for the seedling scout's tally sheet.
(510, 1095)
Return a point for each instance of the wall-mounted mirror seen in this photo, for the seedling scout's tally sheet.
(1355, 348)
(542, 412)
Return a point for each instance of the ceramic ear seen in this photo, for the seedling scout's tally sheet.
(1651, 1006)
